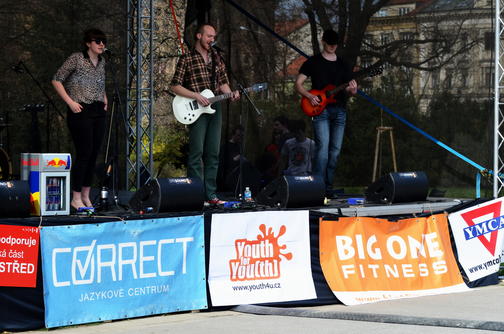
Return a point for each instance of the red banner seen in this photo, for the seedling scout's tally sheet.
(19, 246)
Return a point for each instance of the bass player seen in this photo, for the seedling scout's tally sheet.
(326, 69)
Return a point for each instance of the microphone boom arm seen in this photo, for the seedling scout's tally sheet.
(22, 64)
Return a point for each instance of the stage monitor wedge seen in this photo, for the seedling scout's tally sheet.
(293, 192)
(399, 188)
(14, 199)
(169, 195)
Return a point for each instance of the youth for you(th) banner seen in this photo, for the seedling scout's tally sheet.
(96, 272)
(19, 246)
(260, 257)
(478, 233)
(367, 260)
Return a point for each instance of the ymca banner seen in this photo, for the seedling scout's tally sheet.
(19, 246)
(260, 257)
(478, 234)
(96, 272)
(367, 260)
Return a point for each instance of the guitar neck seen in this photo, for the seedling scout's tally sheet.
(338, 88)
(224, 96)
(343, 86)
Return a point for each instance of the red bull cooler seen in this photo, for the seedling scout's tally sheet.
(49, 178)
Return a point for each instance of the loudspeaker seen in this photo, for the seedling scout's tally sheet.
(14, 199)
(399, 187)
(293, 192)
(173, 194)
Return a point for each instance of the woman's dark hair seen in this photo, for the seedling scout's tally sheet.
(91, 34)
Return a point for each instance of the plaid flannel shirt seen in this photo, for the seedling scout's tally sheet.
(193, 74)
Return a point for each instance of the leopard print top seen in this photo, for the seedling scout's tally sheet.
(83, 82)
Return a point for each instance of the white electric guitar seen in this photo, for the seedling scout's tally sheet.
(187, 111)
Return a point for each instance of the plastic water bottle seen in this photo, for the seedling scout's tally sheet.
(247, 195)
(104, 197)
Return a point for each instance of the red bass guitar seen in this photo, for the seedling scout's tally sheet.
(327, 95)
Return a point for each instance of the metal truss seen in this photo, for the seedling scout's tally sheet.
(498, 167)
(140, 93)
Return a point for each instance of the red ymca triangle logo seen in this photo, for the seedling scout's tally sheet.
(470, 216)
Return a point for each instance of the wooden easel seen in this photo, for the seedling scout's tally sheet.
(379, 131)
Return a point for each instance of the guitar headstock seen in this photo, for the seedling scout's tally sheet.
(368, 72)
(259, 87)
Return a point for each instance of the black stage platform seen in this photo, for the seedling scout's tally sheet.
(23, 308)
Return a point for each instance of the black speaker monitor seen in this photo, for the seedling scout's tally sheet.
(399, 187)
(169, 195)
(14, 199)
(293, 192)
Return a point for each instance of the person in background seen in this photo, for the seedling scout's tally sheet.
(297, 152)
(269, 162)
(201, 69)
(230, 157)
(80, 82)
(281, 131)
(324, 69)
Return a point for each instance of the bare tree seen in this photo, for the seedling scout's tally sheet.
(351, 18)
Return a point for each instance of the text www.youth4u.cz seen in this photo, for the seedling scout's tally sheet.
(252, 287)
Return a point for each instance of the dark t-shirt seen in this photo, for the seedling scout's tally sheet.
(324, 72)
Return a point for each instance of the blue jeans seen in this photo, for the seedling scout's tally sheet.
(329, 128)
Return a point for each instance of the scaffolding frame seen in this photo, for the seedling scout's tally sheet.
(140, 93)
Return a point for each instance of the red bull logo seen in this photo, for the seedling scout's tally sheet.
(56, 162)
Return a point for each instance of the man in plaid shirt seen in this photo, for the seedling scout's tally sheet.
(196, 71)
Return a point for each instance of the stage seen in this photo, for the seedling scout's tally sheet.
(24, 308)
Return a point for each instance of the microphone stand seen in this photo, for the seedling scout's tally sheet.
(24, 68)
(239, 186)
(238, 191)
(111, 164)
(243, 92)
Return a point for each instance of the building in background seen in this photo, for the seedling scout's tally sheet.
(461, 30)
(467, 29)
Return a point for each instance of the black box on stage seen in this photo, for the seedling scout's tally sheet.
(399, 187)
(293, 192)
(14, 199)
(167, 195)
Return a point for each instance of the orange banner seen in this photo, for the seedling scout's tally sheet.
(405, 258)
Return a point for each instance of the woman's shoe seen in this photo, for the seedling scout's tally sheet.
(83, 210)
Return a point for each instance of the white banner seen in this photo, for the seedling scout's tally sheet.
(478, 233)
(260, 257)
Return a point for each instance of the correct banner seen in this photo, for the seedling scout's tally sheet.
(97, 272)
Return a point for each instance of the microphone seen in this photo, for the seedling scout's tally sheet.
(18, 68)
(216, 47)
(107, 51)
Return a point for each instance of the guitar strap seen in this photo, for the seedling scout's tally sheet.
(213, 77)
